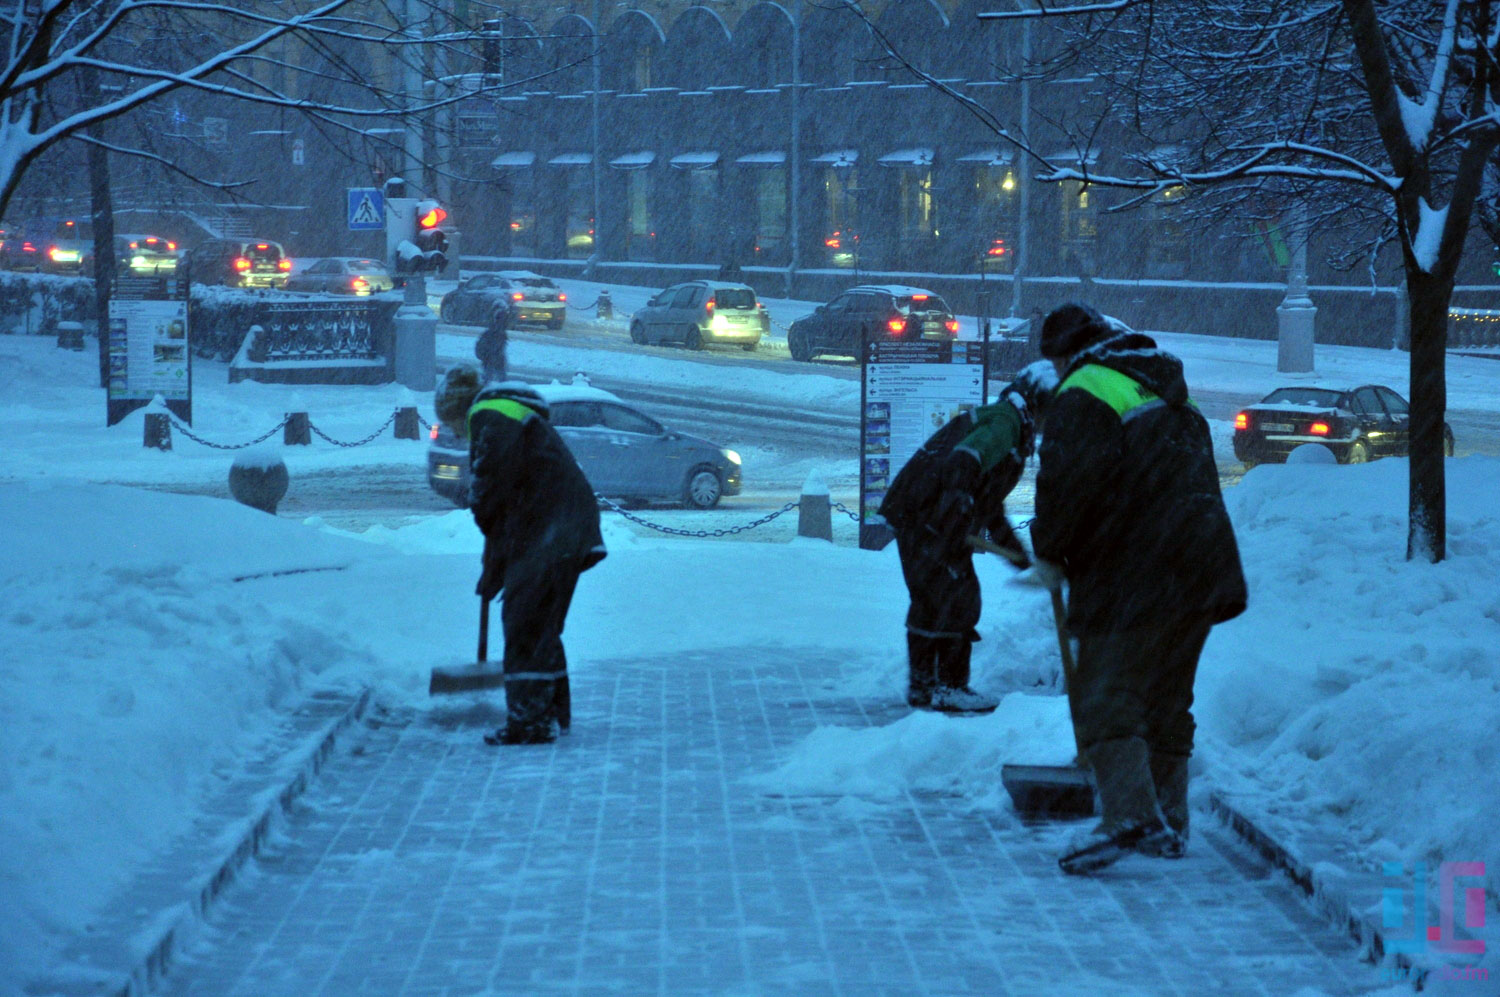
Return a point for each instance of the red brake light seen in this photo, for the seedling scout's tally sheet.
(241, 263)
(562, 297)
(283, 264)
(516, 296)
(952, 325)
(359, 284)
(262, 245)
(172, 246)
(432, 433)
(919, 297)
(150, 239)
(1242, 421)
(709, 304)
(135, 245)
(27, 247)
(1318, 429)
(897, 326)
(832, 242)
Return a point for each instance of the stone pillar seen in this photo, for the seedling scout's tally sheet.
(298, 431)
(158, 431)
(416, 338)
(814, 513)
(1296, 316)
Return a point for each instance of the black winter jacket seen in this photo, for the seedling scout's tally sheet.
(1001, 442)
(528, 495)
(1127, 497)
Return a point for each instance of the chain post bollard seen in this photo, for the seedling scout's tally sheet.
(605, 306)
(70, 335)
(298, 431)
(408, 426)
(258, 480)
(158, 431)
(814, 515)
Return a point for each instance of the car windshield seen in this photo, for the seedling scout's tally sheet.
(1316, 397)
(734, 297)
(533, 281)
(365, 266)
(259, 251)
(929, 303)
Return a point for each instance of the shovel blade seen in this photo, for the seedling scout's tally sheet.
(1049, 790)
(473, 677)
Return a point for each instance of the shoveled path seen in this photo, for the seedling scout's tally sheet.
(640, 856)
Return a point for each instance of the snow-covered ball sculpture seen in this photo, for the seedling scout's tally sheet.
(1311, 453)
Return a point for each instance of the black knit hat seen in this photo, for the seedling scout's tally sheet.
(1070, 328)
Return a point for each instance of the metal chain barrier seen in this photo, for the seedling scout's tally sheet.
(357, 443)
(841, 507)
(227, 446)
(729, 531)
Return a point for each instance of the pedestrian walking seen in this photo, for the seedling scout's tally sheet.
(1128, 510)
(541, 531)
(953, 486)
(489, 348)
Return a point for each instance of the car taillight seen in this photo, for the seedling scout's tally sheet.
(1242, 421)
(172, 247)
(919, 297)
(832, 242)
(432, 433)
(897, 326)
(262, 245)
(240, 263)
(516, 296)
(709, 304)
(562, 296)
(951, 325)
(283, 264)
(27, 247)
(359, 284)
(1318, 429)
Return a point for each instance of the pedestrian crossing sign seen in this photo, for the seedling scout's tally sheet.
(366, 209)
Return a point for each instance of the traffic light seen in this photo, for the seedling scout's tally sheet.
(432, 239)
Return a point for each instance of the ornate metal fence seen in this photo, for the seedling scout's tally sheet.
(316, 331)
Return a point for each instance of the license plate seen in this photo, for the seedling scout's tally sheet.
(1277, 427)
(932, 326)
(446, 471)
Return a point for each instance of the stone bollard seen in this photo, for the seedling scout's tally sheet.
(814, 514)
(70, 335)
(158, 431)
(258, 479)
(408, 426)
(606, 306)
(298, 432)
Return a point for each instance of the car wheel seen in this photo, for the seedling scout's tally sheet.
(1358, 453)
(797, 345)
(1447, 442)
(749, 347)
(445, 311)
(637, 334)
(702, 489)
(694, 339)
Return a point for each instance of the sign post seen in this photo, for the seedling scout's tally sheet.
(149, 347)
(908, 391)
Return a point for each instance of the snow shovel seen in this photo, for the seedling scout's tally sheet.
(1048, 790)
(475, 677)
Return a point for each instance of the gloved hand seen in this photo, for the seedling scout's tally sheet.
(492, 578)
(1007, 544)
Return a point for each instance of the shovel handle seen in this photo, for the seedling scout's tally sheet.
(484, 628)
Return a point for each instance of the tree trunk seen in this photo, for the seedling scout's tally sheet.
(102, 205)
(1427, 528)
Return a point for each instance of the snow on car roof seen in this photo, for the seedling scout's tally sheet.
(517, 275)
(559, 392)
(900, 290)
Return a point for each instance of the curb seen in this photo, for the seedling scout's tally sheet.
(153, 950)
(1331, 890)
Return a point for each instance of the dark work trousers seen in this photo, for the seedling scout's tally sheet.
(534, 608)
(1139, 683)
(489, 348)
(944, 608)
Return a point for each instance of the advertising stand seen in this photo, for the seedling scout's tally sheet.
(908, 391)
(150, 351)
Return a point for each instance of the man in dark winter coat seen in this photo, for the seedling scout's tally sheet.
(489, 348)
(1128, 507)
(541, 531)
(957, 483)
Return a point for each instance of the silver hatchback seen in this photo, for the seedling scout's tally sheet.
(700, 312)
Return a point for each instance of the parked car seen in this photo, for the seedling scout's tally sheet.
(868, 311)
(342, 275)
(69, 249)
(147, 255)
(18, 249)
(700, 312)
(238, 263)
(626, 455)
(531, 298)
(1357, 424)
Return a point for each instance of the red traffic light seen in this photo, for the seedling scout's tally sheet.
(433, 218)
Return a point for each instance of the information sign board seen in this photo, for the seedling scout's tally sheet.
(150, 352)
(908, 391)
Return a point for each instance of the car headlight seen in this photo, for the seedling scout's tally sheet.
(730, 456)
(138, 261)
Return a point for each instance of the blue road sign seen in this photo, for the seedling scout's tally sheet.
(366, 209)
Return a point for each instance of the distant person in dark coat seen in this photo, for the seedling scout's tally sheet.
(489, 348)
(541, 531)
(954, 486)
(1128, 509)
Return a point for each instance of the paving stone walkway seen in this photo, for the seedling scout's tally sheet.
(636, 856)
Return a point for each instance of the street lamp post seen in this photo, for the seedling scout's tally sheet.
(1296, 316)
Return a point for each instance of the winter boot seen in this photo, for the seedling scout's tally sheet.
(562, 704)
(1169, 773)
(1130, 821)
(953, 694)
(543, 732)
(921, 670)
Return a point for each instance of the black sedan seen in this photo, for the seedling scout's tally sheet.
(889, 311)
(1358, 424)
(625, 454)
(531, 298)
